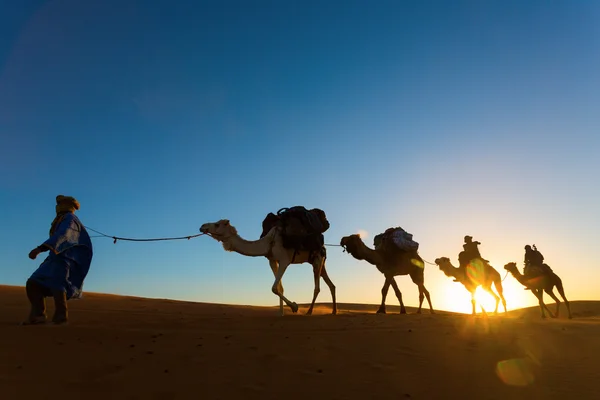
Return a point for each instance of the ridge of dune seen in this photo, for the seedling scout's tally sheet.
(584, 308)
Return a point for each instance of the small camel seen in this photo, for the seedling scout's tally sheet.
(271, 247)
(476, 274)
(401, 263)
(539, 284)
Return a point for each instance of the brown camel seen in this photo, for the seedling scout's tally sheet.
(271, 247)
(539, 284)
(398, 263)
(475, 274)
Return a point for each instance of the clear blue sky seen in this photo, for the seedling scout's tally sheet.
(444, 117)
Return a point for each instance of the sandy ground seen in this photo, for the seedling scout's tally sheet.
(133, 348)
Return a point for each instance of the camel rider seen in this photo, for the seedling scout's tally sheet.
(471, 248)
(533, 258)
(470, 252)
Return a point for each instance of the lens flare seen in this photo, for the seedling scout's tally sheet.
(476, 272)
(363, 234)
(515, 372)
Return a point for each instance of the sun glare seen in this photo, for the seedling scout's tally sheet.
(458, 299)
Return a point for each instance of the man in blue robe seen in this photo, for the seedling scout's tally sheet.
(62, 273)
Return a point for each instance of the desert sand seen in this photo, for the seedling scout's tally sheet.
(136, 348)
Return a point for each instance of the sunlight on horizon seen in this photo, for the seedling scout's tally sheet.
(456, 298)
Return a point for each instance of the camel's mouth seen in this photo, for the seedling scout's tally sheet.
(439, 262)
(206, 229)
(442, 265)
(346, 242)
(343, 243)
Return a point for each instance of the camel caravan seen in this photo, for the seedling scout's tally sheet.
(295, 236)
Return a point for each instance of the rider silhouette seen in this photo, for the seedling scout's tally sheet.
(533, 258)
(470, 252)
(471, 249)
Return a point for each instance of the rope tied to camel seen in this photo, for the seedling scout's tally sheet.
(115, 238)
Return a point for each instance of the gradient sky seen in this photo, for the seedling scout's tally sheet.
(444, 117)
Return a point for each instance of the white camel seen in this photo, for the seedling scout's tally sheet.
(271, 247)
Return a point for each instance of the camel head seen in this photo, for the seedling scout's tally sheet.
(351, 244)
(511, 267)
(220, 230)
(444, 264)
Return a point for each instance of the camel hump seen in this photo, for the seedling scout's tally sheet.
(320, 218)
(546, 268)
(537, 270)
(268, 223)
(302, 229)
(313, 220)
(463, 258)
(401, 240)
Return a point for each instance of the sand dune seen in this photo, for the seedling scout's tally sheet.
(134, 348)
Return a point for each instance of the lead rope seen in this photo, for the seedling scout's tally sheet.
(115, 238)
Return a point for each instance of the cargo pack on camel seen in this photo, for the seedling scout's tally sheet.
(398, 237)
(302, 229)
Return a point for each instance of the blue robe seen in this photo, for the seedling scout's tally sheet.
(69, 260)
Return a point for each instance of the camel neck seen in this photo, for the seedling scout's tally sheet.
(369, 255)
(250, 248)
(517, 275)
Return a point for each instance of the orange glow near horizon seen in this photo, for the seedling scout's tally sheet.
(456, 298)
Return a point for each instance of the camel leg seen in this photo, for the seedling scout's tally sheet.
(553, 296)
(423, 292)
(384, 292)
(545, 306)
(317, 275)
(496, 298)
(540, 295)
(500, 290)
(561, 291)
(331, 288)
(421, 298)
(398, 295)
(473, 302)
(274, 267)
(483, 312)
(275, 288)
(540, 301)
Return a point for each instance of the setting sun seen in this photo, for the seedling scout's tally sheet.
(457, 298)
